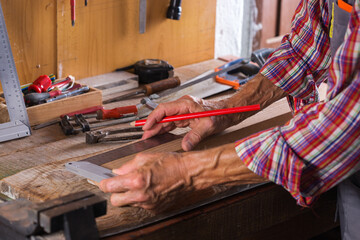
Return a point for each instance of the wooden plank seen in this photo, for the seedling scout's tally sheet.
(106, 35)
(51, 180)
(49, 111)
(32, 32)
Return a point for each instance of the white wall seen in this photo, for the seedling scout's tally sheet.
(235, 27)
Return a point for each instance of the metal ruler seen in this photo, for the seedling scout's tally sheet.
(19, 125)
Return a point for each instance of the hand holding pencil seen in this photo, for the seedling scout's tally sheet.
(210, 113)
(201, 126)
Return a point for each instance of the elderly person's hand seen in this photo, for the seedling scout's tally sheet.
(153, 180)
(200, 127)
(259, 90)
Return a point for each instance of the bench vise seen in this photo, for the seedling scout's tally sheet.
(73, 214)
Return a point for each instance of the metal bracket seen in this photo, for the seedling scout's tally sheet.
(19, 125)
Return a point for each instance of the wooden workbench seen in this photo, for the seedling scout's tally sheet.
(32, 167)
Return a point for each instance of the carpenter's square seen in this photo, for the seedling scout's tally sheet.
(19, 125)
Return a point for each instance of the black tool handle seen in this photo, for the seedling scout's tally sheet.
(37, 98)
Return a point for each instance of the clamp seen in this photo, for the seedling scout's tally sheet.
(102, 135)
(74, 214)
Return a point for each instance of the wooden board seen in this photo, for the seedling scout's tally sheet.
(31, 27)
(106, 35)
(49, 111)
(51, 180)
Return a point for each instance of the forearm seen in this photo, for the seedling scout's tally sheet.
(259, 90)
(220, 165)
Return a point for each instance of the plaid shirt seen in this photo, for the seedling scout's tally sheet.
(320, 146)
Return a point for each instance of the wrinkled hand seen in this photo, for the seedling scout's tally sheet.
(150, 181)
(200, 127)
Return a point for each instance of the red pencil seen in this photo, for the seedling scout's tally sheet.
(201, 114)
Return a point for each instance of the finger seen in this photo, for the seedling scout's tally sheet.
(194, 136)
(162, 129)
(180, 106)
(128, 198)
(117, 184)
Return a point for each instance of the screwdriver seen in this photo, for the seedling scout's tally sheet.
(149, 89)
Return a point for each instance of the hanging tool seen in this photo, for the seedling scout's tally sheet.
(19, 125)
(201, 114)
(150, 70)
(142, 16)
(149, 89)
(174, 10)
(72, 215)
(122, 135)
(72, 9)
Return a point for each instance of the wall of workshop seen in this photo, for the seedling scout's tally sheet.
(106, 35)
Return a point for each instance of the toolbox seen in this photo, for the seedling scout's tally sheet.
(49, 111)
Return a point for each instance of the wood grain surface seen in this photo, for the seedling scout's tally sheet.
(105, 36)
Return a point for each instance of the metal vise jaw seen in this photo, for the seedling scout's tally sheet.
(73, 214)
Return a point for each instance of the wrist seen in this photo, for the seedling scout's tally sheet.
(220, 165)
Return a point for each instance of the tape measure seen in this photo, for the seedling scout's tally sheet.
(151, 70)
(19, 125)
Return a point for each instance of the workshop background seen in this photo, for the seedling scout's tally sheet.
(106, 33)
(105, 37)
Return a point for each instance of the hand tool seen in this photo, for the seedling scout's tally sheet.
(38, 98)
(149, 89)
(85, 111)
(142, 16)
(19, 125)
(69, 93)
(261, 55)
(72, 215)
(44, 84)
(86, 3)
(201, 114)
(72, 9)
(32, 99)
(103, 135)
(248, 69)
(89, 171)
(118, 112)
(174, 10)
(82, 125)
(41, 84)
(150, 70)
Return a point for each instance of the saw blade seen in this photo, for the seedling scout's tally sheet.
(130, 149)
